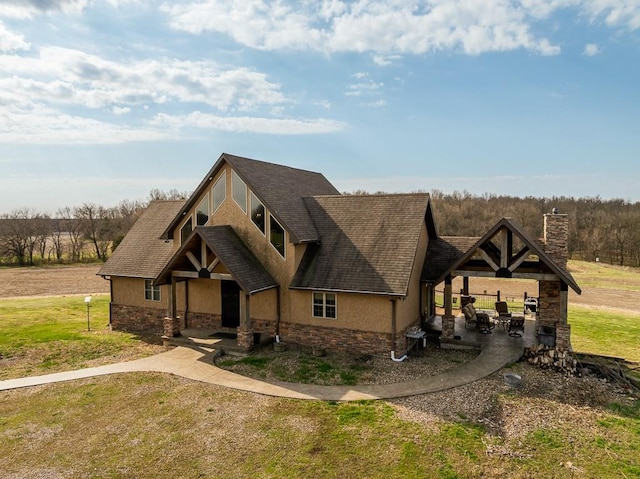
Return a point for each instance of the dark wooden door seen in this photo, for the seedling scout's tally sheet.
(230, 304)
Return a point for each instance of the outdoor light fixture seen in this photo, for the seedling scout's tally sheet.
(87, 301)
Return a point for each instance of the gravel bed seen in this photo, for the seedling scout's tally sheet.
(545, 398)
(365, 369)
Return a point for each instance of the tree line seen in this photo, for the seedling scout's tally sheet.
(599, 230)
(72, 234)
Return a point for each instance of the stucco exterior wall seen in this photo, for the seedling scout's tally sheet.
(130, 291)
(204, 296)
(362, 312)
(264, 305)
(408, 311)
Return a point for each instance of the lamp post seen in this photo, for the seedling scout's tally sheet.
(87, 301)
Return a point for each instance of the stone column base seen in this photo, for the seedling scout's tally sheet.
(171, 327)
(245, 339)
(448, 327)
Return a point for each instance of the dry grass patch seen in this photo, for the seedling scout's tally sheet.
(157, 426)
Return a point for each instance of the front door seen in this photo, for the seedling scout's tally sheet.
(230, 304)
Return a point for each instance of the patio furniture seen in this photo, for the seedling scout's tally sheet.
(531, 305)
(516, 327)
(484, 323)
(502, 309)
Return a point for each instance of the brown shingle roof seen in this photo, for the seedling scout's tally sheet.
(141, 254)
(367, 243)
(280, 188)
(442, 253)
(245, 268)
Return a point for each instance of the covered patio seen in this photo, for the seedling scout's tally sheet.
(506, 251)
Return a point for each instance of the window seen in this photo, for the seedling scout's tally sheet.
(151, 292)
(324, 305)
(239, 191)
(202, 212)
(219, 192)
(186, 230)
(257, 213)
(276, 235)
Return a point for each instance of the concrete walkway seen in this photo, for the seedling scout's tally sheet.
(498, 351)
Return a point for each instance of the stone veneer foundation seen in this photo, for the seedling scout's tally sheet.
(136, 319)
(343, 340)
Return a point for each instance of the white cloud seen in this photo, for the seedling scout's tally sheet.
(388, 28)
(377, 104)
(68, 76)
(326, 104)
(37, 91)
(39, 125)
(120, 111)
(11, 42)
(384, 27)
(29, 8)
(360, 75)
(591, 49)
(243, 124)
(364, 87)
(385, 60)
(615, 13)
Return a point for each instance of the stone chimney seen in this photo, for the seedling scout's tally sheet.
(556, 237)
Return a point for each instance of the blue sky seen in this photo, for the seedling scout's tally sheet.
(103, 100)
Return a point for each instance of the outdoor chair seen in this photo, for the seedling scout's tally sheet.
(484, 323)
(502, 309)
(470, 319)
(516, 327)
(480, 320)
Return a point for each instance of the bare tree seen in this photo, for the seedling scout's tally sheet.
(72, 225)
(93, 227)
(41, 231)
(173, 194)
(17, 236)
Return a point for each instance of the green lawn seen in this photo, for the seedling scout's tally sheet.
(607, 276)
(607, 333)
(157, 426)
(43, 335)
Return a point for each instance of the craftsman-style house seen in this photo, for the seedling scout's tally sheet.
(266, 250)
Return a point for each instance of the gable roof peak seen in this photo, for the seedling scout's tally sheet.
(281, 188)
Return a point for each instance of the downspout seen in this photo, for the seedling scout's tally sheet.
(278, 314)
(110, 301)
(393, 333)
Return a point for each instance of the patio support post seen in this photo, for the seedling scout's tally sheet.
(245, 336)
(563, 328)
(171, 325)
(448, 319)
